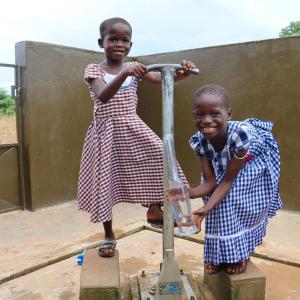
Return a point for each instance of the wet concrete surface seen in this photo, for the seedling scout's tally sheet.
(28, 239)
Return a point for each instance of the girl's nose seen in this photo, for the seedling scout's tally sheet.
(206, 119)
(119, 43)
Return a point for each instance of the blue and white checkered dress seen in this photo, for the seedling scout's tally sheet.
(238, 224)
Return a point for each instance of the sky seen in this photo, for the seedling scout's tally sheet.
(158, 25)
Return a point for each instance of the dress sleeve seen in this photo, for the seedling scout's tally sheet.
(196, 144)
(92, 71)
(240, 139)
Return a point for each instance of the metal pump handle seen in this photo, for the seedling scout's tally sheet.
(159, 67)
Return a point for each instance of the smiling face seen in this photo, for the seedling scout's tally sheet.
(211, 115)
(116, 41)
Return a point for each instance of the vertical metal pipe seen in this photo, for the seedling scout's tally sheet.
(168, 129)
(169, 282)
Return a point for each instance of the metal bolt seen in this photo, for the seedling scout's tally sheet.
(143, 273)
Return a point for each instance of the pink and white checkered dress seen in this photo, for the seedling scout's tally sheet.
(122, 159)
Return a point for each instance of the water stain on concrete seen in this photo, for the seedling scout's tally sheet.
(67, 295)
(133, 264)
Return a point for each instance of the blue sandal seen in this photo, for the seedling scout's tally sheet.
(107, 248)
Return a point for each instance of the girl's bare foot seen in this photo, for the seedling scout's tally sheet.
(107, 248)
(212, 269)
(236, 268)
(155, 214)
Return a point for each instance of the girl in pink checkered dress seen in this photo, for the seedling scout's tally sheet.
(122, 157)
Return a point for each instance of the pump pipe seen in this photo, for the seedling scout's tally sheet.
(169, 270)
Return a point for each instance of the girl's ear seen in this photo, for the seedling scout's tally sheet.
(100, 43)
(229, 113)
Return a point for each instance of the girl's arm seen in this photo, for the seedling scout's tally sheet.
(209, 183)
(106, 92)
(225, 185)
(153, 77)
(222, 189)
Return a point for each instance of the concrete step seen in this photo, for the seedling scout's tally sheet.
(100, 277)
(245, 286)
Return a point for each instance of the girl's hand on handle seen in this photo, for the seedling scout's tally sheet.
(136, 69)
(186, 67)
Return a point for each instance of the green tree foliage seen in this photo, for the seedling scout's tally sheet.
(291, 30)
(7, 103)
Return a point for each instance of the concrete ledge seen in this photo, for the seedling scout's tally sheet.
(200, 289)
(134, 287)
(246, 286)
(100, 277)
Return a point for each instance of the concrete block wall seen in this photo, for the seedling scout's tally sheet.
(261, 77)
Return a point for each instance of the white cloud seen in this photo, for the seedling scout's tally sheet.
(158, 26)
(6, 86)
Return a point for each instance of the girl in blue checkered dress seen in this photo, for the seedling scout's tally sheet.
(240, 174)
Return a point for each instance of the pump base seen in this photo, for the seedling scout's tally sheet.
(144, 285)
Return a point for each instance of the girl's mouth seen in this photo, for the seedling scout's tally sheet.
(119, 51)
(208, 130)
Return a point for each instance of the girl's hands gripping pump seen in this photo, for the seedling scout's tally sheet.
(184, 73)
(138, 70)
(187, 66)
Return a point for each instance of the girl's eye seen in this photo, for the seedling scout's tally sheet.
(197, 114)
(116, 41)
(215, 114)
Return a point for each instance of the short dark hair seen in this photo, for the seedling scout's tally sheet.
(106, 24)
(213, 89)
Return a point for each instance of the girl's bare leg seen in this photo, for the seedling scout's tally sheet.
(108, 235)
(108, 230)
(212, 269)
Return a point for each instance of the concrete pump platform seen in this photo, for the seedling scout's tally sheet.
(38, 251)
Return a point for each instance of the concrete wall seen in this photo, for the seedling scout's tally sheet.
(263, 81)
(262, 78)
(56, 113)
